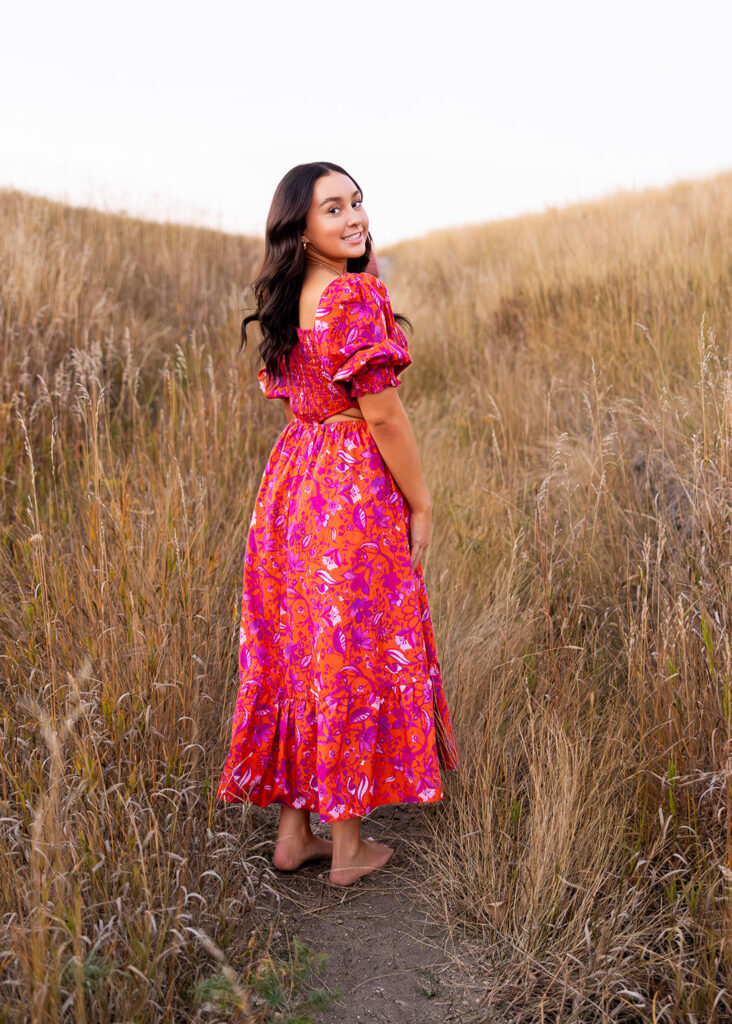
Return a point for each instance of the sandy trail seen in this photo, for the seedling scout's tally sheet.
(390, 961)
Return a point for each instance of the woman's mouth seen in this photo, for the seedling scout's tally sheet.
(354, 238)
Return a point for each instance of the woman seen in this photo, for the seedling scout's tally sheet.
(340, 706)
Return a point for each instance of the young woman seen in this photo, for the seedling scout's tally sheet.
(340, 706)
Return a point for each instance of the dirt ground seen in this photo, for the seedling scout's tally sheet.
(389, 960)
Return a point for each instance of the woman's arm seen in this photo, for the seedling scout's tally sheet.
(392, 432)
(394, 437)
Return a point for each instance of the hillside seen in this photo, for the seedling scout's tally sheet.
(571, 394)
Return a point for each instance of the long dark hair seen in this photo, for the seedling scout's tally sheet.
(279, 279)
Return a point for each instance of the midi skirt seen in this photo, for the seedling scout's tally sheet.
(340, 706)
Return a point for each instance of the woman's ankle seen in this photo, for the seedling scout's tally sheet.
(346, 838)
(294, 824)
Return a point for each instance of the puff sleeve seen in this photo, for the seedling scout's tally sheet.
(272, 388)
(365, 348)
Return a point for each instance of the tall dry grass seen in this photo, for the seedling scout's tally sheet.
(132, 442)
(573, 390)
(572, 395)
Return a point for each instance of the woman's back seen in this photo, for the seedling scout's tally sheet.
(355, 347)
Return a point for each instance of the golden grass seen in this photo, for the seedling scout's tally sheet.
(132, 441)
(572, 396)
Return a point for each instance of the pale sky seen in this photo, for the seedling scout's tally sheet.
(446, 113)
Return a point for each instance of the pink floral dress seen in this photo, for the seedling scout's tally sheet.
(340, 706)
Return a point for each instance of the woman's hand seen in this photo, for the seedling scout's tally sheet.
(420, 530)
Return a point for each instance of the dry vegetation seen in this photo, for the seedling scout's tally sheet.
(572, 393)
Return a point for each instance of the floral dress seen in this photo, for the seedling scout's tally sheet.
(340, 706)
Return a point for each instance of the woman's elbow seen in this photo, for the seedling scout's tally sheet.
(383, 409)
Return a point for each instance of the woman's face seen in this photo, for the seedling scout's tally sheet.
(335, 214)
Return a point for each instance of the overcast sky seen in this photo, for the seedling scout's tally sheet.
(446, 113)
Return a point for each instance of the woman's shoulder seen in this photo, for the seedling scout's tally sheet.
(354, 291)
(363, 343)
(363, 280)
(339, 293)
(356, 282)
(354, 294)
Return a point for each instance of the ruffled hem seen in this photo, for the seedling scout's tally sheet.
(373, 380)
(300, 751)
(262, 799)
(363, 343)
(371, 367)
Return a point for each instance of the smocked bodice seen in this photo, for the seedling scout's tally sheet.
(354, 348)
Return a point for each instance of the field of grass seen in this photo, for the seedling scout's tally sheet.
(572, 397)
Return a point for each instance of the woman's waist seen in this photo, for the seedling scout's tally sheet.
(351, 415)
(313, 415)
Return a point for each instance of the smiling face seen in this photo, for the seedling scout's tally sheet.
(336, 224)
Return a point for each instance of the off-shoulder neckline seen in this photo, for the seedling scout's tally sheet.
(348, 273)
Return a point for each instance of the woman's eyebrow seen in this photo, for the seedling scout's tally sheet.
(337, 199)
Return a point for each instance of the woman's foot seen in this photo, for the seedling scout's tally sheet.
(296, 842)
(351, 864)
(292, 851)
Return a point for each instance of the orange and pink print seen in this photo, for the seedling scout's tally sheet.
(341, 706)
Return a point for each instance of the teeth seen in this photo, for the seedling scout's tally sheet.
(357, 235)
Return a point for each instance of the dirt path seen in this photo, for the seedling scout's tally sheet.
(391, 963)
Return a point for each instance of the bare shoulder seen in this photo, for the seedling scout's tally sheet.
(313, 288)
(313, 285)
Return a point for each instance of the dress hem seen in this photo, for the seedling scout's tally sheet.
(262, 800)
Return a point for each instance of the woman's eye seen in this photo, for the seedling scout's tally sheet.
(356, 202)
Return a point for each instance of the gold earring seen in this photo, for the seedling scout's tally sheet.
(304, 245)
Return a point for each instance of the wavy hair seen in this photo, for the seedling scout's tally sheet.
(279, 278)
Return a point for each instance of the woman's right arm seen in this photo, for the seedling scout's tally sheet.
(394, 437)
